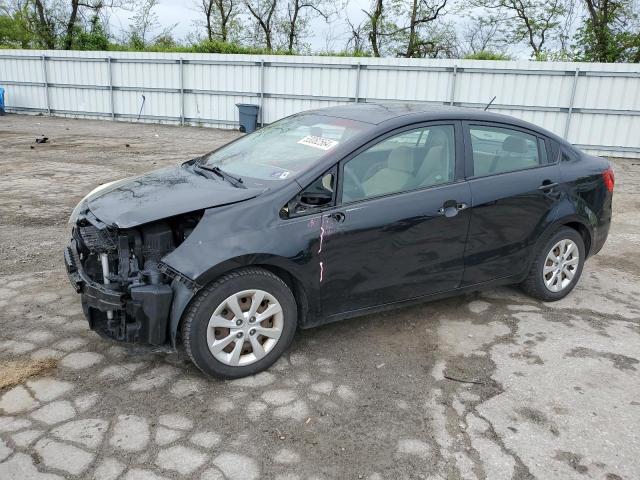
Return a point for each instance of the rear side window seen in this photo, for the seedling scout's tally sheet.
(499, 150)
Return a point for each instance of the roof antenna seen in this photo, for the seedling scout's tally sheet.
(489, 104)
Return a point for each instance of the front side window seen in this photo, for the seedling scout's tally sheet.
(280, 150)
(410, 160)
(499, 150)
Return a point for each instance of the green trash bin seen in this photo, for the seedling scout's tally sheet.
(248, 114)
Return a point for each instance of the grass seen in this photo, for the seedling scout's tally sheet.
(15, 372)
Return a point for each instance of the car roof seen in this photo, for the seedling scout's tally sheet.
(379, 113)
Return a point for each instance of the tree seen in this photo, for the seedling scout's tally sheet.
(410, 28)
(45, 28)
(263, 11)
(219, 18)
(380, 25)
(357, 40)
(482, 34)
(297, 17)
(95, 6)
(610, 32)
(532, 21)
(57, 23)
(95, 38)
(144, 28)
(375, 26)
(566, 29)
(421, 14)
(14, 27)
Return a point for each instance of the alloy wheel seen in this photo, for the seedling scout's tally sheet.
(561, 265)
(245, 327)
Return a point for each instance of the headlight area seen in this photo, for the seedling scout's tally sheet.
(126, 290)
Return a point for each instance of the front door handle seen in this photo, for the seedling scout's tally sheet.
(450, 208)
(338, 217)
(547, 185)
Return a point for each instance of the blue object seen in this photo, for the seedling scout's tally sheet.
(2, 101)
(248, 116)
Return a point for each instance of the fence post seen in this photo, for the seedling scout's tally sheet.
(357, 95)
(113, 110)
(181, 91)
(46, 83)
(453, 84)
(261, 92)
(571, 101)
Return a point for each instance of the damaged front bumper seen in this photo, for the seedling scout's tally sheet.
(141, 314)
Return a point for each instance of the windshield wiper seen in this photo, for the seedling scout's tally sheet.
(235, 181)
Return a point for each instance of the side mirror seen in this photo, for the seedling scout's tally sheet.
(316, 196)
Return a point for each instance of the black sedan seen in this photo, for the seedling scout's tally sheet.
(330, 214)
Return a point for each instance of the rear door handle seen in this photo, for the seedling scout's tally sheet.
(547, 185)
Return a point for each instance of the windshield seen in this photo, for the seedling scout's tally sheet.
(284, 148)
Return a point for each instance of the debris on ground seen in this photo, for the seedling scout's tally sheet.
(15, 372)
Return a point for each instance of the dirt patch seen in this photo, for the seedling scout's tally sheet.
(13, 373)
(573, 460)
(621, 362)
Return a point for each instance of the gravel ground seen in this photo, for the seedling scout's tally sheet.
(492, 385)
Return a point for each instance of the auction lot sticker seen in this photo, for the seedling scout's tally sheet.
(318, 142)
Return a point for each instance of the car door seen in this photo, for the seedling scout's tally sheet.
(400, 227)
(513, 179)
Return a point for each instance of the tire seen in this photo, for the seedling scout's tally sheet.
(200, 328)
(537, 282)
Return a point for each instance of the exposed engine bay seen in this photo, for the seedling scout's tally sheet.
(127, 292)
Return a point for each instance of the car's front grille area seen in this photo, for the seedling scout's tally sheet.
(96, 240)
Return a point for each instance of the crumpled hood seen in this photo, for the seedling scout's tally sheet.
(159, 194)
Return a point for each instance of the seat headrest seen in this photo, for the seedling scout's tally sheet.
(514, 145)
(436, 157)
(401, 158)
(437, 138)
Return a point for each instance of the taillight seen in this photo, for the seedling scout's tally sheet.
(609, 178)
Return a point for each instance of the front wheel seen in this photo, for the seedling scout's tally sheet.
(557, 266)
(240, 324)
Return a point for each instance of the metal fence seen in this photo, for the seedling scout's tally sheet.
(595, 106)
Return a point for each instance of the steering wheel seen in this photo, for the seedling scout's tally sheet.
(352, 188)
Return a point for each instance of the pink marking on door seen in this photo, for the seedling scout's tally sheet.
(321, 272)
(321, 238)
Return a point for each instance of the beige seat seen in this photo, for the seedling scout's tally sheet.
(514, 156)
(394, 177)
(435, 168)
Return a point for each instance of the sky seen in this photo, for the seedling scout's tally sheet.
(183, 12)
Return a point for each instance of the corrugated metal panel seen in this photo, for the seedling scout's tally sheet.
(604, 99)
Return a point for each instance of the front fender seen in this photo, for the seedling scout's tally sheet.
(183, 294)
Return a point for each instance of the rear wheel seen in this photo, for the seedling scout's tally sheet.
(557, 266)
(240, 324)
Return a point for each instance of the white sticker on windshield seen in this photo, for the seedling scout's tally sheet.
(281, 175)
(318, 142)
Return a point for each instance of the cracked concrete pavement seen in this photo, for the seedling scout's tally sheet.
(491, 385)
